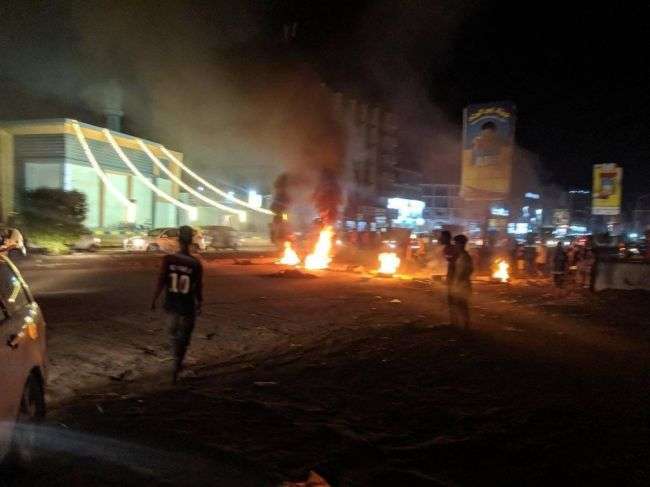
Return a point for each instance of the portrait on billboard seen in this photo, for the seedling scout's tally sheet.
(488, 148)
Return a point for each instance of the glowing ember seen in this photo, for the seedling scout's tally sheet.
(289, 257)
(388, 263)
(501, 272)
(320, 258)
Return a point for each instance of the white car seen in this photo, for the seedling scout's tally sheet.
(23, 366)
(12, 241)
(87, 242)
(163, 240)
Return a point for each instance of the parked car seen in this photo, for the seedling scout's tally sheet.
(23, 366)
(220, 237)
(12, 242)
(114, 235)
(88, 242)
(163, 240)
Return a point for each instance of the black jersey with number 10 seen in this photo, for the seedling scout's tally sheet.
(183, 277)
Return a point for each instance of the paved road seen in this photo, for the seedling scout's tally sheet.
(356, 377)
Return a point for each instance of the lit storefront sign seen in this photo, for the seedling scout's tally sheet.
(496, 211)
(518, 228)
(409, 212)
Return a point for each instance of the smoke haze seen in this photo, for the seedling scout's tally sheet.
(209, 83)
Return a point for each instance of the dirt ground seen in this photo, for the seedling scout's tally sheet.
(355, 377)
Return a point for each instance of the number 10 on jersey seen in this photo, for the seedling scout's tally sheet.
(179, 283)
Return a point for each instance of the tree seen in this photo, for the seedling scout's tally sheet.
(53, 217)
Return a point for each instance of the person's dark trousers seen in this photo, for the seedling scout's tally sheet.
(180, 330)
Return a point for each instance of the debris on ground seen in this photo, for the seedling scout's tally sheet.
(314, 480)
(395, 301)
(355, 268)
(122, 376)
(149, 350)
(291, 274)
(265, 383)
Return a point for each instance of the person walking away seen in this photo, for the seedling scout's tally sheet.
(559, 265)
(461, 287)
(181, 277)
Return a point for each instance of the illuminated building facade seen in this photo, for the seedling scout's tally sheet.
(51, 154)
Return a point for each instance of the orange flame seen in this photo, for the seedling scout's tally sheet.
(388, 263)
(289, 257)
(501, 273)
(321, 257)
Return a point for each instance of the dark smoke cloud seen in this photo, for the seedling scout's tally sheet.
(328, 196)
(208, 82)
(214, 82)
(404, 55)
(405, 47)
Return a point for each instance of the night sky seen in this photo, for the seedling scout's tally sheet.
(578, 75)
(579, 78)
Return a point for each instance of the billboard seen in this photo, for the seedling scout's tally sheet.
(488, 148)
(607, 190)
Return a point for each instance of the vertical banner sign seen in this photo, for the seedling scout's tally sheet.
(607, 190)
(488, 148)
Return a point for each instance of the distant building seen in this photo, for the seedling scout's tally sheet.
(579, 206)
(372, 163)
(642, 213)
(442, 205)
(69, 155)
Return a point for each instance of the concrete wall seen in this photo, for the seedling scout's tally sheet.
(622, 275)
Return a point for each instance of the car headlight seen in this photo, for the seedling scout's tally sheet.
(97, 240)
(138, 242)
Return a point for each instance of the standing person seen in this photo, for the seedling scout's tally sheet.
(530, 255)
(585, 267)
(521, 261)
(449, 255)
(512, 253)
(181, 276)
(541, 258)
(559, 265)
(461, 287)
